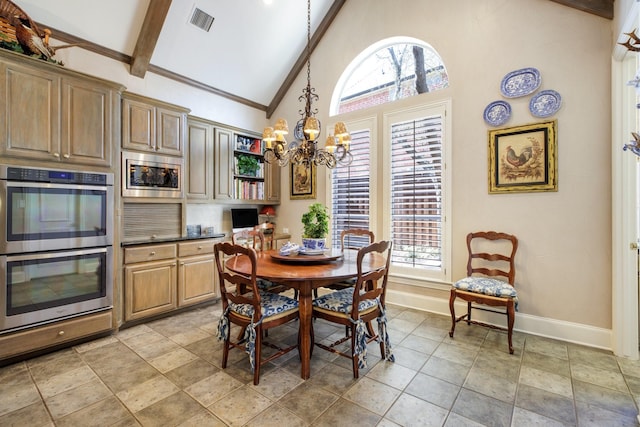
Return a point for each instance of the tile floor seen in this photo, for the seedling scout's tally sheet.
(167, 373)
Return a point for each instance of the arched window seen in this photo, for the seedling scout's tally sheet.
(394, 68)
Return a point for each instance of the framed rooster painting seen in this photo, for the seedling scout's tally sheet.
(523, 158)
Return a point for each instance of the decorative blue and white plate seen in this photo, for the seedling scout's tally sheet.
(520, 82)
(497, 113)
(545, 103)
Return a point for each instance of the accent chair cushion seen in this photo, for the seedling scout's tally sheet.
(341, 301)
(487, 286)
(272, 305)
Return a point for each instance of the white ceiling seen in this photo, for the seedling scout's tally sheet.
(248, 52)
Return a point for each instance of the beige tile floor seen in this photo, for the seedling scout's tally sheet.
(167, 373)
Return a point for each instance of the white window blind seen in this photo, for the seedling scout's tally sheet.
(350, 190)
(417, 219)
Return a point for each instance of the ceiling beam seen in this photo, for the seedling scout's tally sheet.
(148, 37)
(302, 59)
(603, 8)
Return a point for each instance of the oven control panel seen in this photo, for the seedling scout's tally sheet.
(13, 173)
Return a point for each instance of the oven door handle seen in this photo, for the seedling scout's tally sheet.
(53, 185)
(56, 254)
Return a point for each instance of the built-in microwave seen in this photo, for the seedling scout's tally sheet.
(151, 175)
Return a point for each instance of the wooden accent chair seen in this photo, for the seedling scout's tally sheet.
(255, 312)
(268, 231)
(481, 286)
(356, 307)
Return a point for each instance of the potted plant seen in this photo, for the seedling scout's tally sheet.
(316, 227)
(248, 165)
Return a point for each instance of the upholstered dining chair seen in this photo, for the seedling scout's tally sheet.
(255, 311)
(352, 239)
(356, 307)
(256, 239)
(490, 280)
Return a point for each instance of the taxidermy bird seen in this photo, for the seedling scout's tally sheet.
(30, 41)
(519, 159)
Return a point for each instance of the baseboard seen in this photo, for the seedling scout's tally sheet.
(557, 329)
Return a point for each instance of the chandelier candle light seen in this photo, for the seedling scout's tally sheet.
(304, 150)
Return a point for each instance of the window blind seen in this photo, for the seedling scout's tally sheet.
(416, 192)
(350, 190)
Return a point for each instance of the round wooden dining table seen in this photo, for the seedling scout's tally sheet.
(306, 273)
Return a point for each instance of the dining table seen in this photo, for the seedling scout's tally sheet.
(305, 273)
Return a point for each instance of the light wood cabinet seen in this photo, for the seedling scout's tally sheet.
(211, 174)
(54, 334)
(52, 114)
(223, 161)
(152, 125)
(197, 276)
(160, 278)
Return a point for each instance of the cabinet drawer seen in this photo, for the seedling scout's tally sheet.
(149, 253)
(199, 247)
(48, 336)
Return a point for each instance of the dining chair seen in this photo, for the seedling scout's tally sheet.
(352, 239)
(254, 312)
(255, 239)
(491, 255)
(356, 307)
(268, 231)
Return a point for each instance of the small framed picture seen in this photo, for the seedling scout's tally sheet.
(303, 181)
(523, 158)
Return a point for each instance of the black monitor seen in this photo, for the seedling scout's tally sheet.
(244, 218)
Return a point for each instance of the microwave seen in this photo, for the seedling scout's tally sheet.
(151, 175)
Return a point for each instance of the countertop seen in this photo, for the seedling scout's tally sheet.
(172, 239)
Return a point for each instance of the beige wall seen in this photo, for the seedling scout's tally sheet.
(564, 261)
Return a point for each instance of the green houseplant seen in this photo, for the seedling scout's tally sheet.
(316, 226)
(248, 165)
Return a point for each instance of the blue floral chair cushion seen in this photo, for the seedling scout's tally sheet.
(341, 301)
(272, 304)
(487, 286)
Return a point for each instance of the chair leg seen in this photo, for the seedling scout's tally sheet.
(469, 313)
(313, 340)
(452, 299)
(225, 352)
(256, 371)
(511, 314)
(354, 358)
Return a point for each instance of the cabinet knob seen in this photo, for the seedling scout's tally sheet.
(66, 156)
(153, 253)
(61, 333)
(56, 155)
(199, 248)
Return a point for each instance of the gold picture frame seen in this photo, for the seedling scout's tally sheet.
(302, 179)
(522, 159)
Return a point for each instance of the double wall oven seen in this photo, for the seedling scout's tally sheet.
(56, 237)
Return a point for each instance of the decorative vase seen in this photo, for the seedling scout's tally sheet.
(313, 244)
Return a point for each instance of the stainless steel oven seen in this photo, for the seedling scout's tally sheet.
(56, 237)
(43, 287)
(48, 209)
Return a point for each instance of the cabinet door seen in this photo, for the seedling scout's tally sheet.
(86, 123)
(138, 125)
(272, 182)
(29, 113)
(150, 288)
(170, 131)
(196, 280)
(223, 161)
(199, 173)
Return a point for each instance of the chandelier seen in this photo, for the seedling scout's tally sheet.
(304, 149)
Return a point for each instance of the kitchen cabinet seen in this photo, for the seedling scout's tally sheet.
(55, 334)
(212, 155)
(159, 278)
(52, 114)
(197, 274)
(152, 125)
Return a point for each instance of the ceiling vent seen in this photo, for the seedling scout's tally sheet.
(201, 19)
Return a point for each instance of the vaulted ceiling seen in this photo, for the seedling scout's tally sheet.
(252, 52)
